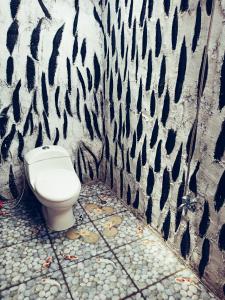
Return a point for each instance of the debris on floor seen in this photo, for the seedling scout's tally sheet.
(1, 204)
(88, 236)
(72, 234)
(104, 198)
(110, 232)
(70, 257)
(47, 263)
(148, 242)
(140, 231)
(3, 213)
(51, 281)
(36, 230)
(98, 210)
(90, 207)
(107, 209)
(113, 221)
(105, 260)
(110, 227)
(186, 280)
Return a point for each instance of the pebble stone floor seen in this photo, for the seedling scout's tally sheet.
(135, 264)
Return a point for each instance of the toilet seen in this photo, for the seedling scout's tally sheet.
(51, 176)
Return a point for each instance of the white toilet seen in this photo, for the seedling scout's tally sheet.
(51, 176)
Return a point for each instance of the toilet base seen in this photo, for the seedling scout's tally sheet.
(58, 220)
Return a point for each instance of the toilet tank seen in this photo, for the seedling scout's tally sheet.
(45, 158)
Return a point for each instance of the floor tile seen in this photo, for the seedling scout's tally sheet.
(94, 188)
(80, 214)
(29, 206)
(51, 287)
(78, 247)
(99, 278)
(22, 211)
(24, 261)
(102, 201)
(22, 223)
(128, 230)
(96, 274)
(137, 296)
(147, 261)
(16, 228)
(170, 289)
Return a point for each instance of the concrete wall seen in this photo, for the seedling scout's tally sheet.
(209, 245)
(153, 70)
(50, 77)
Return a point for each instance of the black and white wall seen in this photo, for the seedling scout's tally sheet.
(123, 85)
(208, 164)
(156, 67)
(50, 77)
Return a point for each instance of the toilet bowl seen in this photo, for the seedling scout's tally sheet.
(51, 176)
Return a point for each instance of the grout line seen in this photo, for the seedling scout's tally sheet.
(39, 235)
(31, 238)
(184, 262)
(96, 255)
(133, 294)
(85, 259)
(109, 215)
(134, 284)
(154, 231)
(160, 280)
(60, 267)
(100, 218)
(25, 241)
(25, 281)
(112, 250)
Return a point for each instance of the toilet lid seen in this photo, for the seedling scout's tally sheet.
(57, 185)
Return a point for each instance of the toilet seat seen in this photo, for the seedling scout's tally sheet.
(57, 185)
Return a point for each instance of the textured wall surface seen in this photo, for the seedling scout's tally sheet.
(154, 66)
(145, 59)
(50, 77)
(208, 180)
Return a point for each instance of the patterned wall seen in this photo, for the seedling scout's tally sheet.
(208, 180)
(155, 59)
(50, 76)
(145, 60)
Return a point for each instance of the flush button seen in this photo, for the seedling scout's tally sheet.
(45, 147)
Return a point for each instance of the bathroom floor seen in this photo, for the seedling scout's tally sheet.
(133, 263)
